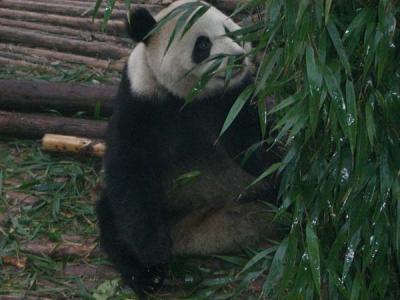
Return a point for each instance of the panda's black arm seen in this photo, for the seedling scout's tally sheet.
(244, 133)
(133, 185)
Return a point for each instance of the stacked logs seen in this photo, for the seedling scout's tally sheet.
(30, 99)
(38, 33)
(41, 33)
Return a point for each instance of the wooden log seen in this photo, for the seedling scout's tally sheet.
(8, 62)
(113, 27)
(156, 4)
(31, 53)
(18, 56)
(33, 38)
(16, 261)
(89, 3)
(34, 95)
(64, 143)
(70, 10)
(70, 32)
(35, 126)
(84, 248)
(77, 11)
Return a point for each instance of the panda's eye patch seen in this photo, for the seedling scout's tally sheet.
(201, 49)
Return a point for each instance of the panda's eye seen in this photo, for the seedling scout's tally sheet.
(204, 44)
(201, 49)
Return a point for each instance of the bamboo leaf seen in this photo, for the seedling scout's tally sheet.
(179, 24)
(236, 108)
(337, 42)
(267, 68)
(273, 168)
(195, 16)
(370, 122)
(277, 268)
(352, 115)
(262, 116)
(313, 74)
(259, 256)
(328, 4)
(336, 94)
(313, 253)
(350, 253)
(107, 13)
(96, 9)
(283, 104)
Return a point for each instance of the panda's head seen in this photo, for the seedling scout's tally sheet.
(152, 69)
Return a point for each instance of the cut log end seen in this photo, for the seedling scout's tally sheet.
(63, 143)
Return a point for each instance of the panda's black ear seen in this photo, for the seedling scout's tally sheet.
(140, 23)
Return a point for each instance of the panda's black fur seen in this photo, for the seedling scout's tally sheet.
(148, 139)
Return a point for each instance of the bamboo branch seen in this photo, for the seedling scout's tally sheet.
(29, 37)
(36, 126)
(63, 143)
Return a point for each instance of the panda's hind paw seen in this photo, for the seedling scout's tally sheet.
(147, 280)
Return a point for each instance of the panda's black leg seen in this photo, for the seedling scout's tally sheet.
(223, 229)
(140, 277)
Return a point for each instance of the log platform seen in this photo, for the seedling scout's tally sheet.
(58, 32)
(46, 36)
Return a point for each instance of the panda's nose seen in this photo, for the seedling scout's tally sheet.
(237, 50)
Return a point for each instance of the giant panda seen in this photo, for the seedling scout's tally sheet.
(170, 188)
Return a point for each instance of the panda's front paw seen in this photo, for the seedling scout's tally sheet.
(154, 277)
(148, 280)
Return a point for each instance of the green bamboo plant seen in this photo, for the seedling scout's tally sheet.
(334, 70)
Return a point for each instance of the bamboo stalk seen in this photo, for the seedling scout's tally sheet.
(64, 143)
(66, 31)
(113, 27)
(65, 57)
(36, 126)
(34, 95)
(30, 37)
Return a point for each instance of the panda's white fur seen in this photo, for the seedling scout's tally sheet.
(151, 70)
